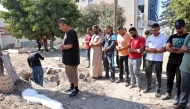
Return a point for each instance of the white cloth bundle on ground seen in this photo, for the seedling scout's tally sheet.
(32, 95)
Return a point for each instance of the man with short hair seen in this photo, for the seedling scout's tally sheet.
(45, 43)
(185, 75)
(108, 47)
(87, 41)
(70, 55)
(125, 29)
(173, 46)
(155, 47)
(135, 58)
(35, 65)
(122, 45)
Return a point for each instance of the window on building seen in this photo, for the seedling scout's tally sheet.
(90, 2)
(83, 0)
(141, 8)
(152, 11)
(76, 1)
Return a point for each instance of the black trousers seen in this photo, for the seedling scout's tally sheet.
(144, 60)
(39, 47)
(117, 58)
(171, 71)
(155, 66)
(123, 66)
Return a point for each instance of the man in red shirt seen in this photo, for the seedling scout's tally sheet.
(87, 41)
(136, 49)
(45, 43)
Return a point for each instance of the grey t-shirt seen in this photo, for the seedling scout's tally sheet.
(185, 66)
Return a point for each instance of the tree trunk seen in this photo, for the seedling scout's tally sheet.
(173, 29)
(51, 41)
(1, 64)
(115, 16)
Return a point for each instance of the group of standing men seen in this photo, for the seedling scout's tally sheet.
(130, 48)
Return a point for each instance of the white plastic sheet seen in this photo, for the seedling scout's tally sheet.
(32, 95)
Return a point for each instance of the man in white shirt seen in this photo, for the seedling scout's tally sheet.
(155, 47)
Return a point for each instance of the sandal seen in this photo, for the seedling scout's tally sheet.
(138, 89)
(131, 86)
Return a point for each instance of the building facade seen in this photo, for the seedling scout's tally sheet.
(5, 38)
(139, 13)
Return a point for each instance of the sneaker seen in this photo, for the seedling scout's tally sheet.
(176, 100)
(147, 90)
(73, 93)
(157, 94)
(127, 83)
(167, 96)
(112, 79)
(88, 67)
(119, 80)
(68, 90)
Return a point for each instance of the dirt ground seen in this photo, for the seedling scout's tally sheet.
(94, 94)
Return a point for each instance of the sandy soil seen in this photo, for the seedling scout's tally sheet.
(94, 94)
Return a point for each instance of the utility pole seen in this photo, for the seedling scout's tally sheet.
(115, 16)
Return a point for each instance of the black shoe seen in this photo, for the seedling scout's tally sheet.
(73, 93)
(88, 67)
(157, 94)
(147, 90)
(69, 90)
(176, 100)
(106, 76)
(112, 79)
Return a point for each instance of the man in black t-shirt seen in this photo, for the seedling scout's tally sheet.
(173, 46)
(35, 65)
(70, 55)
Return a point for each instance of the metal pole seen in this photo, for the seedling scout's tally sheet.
(115, 16)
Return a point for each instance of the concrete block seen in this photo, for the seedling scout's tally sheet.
(54, 78)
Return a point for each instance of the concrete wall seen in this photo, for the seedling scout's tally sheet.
(8, 39)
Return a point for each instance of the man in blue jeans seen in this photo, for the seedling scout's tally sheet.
(35, 65)
(108, 48)
(87, 41)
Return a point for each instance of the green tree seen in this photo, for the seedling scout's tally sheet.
(99, 14)
(181, 10)
(34, 18)
(165, 16)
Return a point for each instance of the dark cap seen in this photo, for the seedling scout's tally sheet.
(179, 23)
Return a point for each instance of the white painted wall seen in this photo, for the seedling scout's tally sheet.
(8, 39)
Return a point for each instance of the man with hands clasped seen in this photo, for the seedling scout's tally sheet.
(135, 58)
(155, 47)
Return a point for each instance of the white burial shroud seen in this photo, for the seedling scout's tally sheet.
(32, 95)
